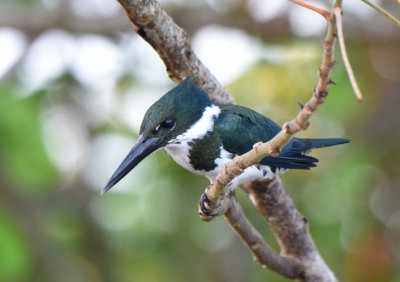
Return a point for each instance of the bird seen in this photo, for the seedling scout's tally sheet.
(202, 137)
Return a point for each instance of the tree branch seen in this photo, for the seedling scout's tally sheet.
(264, 254)
(172, 44)
(337, 10)
(301, 260)
(290, 228)
(316, 9)
(301, 122)
(383, 12)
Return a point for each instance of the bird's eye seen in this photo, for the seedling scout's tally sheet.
(169, 123)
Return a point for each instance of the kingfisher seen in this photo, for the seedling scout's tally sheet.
(202, 137)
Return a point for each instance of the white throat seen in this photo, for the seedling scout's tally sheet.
(178, 148)
(200, 127)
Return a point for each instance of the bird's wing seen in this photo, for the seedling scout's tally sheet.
(240, 128)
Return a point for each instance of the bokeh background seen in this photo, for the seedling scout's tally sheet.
(75, 83)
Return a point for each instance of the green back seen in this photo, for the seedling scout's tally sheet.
(239, 128)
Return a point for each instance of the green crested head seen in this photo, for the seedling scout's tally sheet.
(174, 112)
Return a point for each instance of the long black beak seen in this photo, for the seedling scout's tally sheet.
(142, 149)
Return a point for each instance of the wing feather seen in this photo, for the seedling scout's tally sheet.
(240, 128)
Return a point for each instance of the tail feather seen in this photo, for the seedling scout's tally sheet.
(299, 145)
(325, 142)
(295, 161)
(293, 154)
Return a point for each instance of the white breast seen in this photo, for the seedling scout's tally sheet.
(178, 148)
(255, 172)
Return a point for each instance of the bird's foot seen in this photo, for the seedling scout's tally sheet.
(209, 210)
(206, 208)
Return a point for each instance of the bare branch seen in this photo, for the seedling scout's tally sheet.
(264, 254)
(320, 11)
(270, 199)
(172, 44)
(290, 227)
(383, 12)
(170, 41)
(301, 122)
(338, 14)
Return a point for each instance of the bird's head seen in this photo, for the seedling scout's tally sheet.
(173, 114)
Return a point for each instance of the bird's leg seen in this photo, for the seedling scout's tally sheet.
(206, 207)
(209, 210)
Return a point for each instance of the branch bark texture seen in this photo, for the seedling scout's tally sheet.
(172, 44)
(290, 228)
(261, 251)
(299, 258)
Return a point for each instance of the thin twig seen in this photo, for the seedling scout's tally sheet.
(338, 14)
(301, 122)
(383, 12)
(320, 11)
(272, 201)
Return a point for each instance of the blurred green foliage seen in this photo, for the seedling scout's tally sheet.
(21, 143)
(61, 141)
(17, 260)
